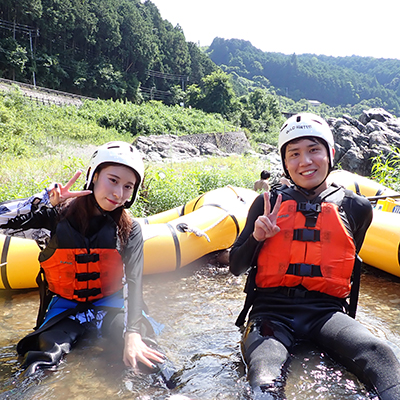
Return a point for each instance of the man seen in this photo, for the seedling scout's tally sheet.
(303, 254)
(262, 183)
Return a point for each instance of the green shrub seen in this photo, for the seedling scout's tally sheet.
(386, 169)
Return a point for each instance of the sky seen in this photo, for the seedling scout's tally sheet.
(339, 28)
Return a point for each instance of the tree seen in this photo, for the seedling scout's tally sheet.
(21, 11)
(218, 94)
(15, 57)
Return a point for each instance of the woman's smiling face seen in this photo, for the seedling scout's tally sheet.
(307, 162)
(113, 186)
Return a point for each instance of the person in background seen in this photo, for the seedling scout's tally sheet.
(262, 183)
(284, 181)
(91, 269)
(300, 244)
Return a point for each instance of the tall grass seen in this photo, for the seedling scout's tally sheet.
(169, 185)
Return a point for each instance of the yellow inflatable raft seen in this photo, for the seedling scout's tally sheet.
(360, 184)
(172, 239)
(381, 247)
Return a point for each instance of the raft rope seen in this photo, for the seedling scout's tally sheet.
(202, 233)
(198, 232)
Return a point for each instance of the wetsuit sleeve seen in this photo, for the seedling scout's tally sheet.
(45, 218)
(359, 213)
(244, 250)
(133, 259)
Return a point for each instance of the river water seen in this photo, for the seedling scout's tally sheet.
(198, 306)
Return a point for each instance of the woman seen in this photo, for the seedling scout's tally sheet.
(95, 251)
(302, 241)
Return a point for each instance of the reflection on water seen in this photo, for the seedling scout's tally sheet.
(198, 307)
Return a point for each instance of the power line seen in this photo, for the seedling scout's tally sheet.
(164, 75)
(155, 94)
(12, 26)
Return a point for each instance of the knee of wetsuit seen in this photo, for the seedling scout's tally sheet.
(35, 360)
(32, 341)
(252, 338)
(267, 365)
(48, 339)
(259, 330)
(34, 356)
(70, 327)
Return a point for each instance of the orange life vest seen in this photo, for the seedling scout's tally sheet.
(320, 258)
(83, 268)
(78, 275)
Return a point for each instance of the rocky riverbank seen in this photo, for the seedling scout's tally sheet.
(357, 141)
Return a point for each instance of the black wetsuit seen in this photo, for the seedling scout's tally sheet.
(281, 317)
(45, 346)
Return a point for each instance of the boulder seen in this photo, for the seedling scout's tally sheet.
(378, 114)
(357, 142)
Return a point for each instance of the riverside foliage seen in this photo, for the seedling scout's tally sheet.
(44, 144)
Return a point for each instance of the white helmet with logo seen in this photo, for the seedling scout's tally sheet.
(306, 125)
(117, 153)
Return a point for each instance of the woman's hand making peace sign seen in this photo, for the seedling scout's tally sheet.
(59, 193)
(265, 225)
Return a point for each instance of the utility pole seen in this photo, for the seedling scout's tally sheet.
(33, 60)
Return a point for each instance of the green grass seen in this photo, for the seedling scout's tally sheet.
(172, 184)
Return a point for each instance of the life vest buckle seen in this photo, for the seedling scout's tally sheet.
(309, 207)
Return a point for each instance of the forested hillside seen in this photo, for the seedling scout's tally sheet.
(97, 48)
(331, 80)
(125, 50)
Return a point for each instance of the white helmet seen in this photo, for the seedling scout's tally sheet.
(119, 153)
(303, 125)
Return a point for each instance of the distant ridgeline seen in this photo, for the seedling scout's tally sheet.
(124, 49)
(331, 80)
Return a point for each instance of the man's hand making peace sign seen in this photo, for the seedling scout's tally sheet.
(265, 225)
